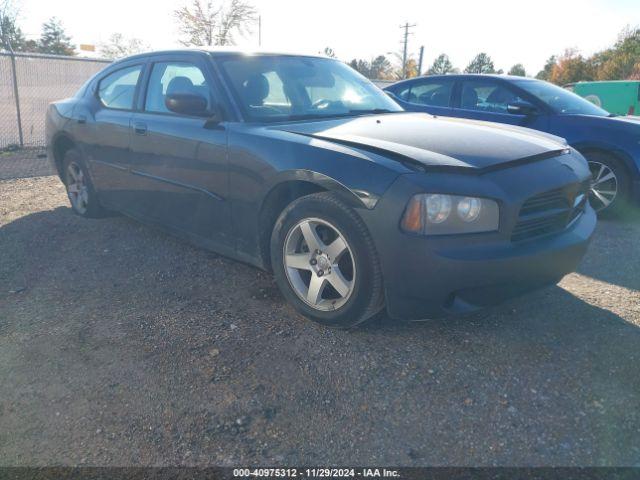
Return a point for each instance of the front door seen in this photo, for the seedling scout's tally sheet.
(488, 99)
(178, 162)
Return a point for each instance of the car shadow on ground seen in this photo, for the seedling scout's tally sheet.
(614, 256)
(212, 366)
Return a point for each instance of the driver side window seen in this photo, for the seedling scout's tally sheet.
(174, 77)
(487, 96)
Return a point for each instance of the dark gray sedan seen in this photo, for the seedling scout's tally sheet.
(299, 165)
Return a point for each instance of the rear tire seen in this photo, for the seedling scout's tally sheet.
(610, 185)
(325, 262)
(80, 190)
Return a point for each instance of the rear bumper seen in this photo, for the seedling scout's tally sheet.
(431, 283)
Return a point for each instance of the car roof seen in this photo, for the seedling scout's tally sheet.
(458, 76)
(219, 52)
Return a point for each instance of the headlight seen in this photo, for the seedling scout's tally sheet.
(441, 214)
(438, 208)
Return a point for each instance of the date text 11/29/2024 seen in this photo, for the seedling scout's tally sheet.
(316, 472)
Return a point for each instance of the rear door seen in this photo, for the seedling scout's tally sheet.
(488, 99)
(180, 162)
(429, 95)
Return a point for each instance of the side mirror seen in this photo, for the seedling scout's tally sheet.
(521, 108)
(187, 104)
(214, 117)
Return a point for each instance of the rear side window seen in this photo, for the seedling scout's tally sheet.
(435, 94)
(117, 89)
(172, 78)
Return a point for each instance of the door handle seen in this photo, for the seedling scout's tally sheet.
(82, 119)
(140, 128)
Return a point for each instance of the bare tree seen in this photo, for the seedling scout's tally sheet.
(207, 24)
(328, 52)
(119, 46)
(237, 17)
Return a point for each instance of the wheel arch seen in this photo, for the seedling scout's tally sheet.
(625, 159)
(61, 144)
(292, 185)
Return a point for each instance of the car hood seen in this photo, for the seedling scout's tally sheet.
(627, 120)
(436, 142)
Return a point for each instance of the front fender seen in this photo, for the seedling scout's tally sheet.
(261, 159)
(356, 197)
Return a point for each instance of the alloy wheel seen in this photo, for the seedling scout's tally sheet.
(604, 186)
(77, 188)
(319, 264)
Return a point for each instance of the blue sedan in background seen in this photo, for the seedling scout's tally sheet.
(610, 143)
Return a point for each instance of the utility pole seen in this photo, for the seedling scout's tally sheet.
(259, 30)
(406, 27)
(420, 62)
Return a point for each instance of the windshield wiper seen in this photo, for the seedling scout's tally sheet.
(315, 116)
(374, 111)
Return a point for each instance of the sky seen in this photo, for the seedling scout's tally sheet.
(510, 31)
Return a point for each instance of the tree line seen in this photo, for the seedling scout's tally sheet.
(618, 62)
(53, 38)
(209, 23)
(202, 23)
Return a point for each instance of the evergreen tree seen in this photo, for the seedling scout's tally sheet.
(381, 68)
(54, 40)
(518, 70)
(482, 63)
(10, 34)
(361, 66)
(441, 65)
(545, 73)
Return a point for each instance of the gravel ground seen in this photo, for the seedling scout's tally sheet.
(120, 345)
(31, 162)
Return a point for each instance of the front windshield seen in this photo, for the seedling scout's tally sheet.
(561, 100)
(280, 88)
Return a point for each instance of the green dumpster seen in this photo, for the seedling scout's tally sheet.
(621, 97)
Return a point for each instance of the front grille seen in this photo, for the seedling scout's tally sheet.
(550, 212)
(551, 200)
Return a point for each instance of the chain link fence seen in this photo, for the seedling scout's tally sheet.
(28, 83)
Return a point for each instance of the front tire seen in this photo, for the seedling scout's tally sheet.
(325, 263)
(80, 191)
